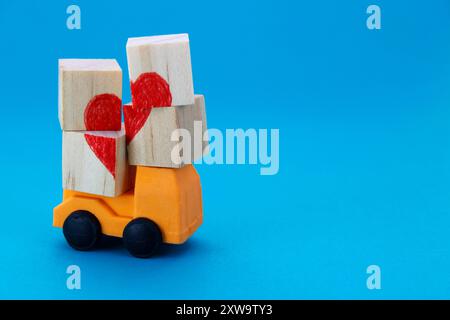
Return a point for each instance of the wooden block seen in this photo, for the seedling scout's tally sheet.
(149, 132)
(160, 71)
(90, 94)
(95, 162)
(199, 102)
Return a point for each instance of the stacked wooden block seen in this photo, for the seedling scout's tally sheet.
(94, 145)
(163, 100)
(99, 151)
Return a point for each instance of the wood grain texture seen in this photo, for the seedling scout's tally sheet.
(168, 56)
(79, 81)
(83, 170)
(152, 145)
(200, 104)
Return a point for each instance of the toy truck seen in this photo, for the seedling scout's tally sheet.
(165, 206)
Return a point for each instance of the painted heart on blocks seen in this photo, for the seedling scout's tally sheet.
(149, 91)
(134, 120)
(105, 150)
(102, 113)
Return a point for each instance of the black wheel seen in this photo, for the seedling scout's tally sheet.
(82, 230)
(142, 237)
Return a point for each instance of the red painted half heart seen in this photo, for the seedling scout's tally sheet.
(102, 113)
(150, 90)
(105, 150)
(134, 119)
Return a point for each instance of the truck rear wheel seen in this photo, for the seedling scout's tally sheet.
(142, 237)
(82, 230)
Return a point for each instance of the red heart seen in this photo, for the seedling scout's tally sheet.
(134, 120)
(105, 150)
(150, 90)
(103, 113)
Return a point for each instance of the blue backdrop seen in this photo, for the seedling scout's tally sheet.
(364, 119)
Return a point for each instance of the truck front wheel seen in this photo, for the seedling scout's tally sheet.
(142, 237)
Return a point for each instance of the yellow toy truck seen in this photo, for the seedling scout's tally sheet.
(165, 205)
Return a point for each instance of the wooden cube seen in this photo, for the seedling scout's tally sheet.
(152, 135)
(90, 94)
(160, 71)
(95, 162)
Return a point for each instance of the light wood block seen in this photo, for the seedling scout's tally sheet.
(95, 162)
(160, 71)
(89, 94)
(149, 133)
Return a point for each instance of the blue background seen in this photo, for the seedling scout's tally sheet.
(364, 119)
